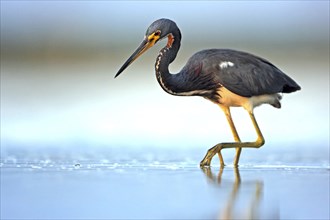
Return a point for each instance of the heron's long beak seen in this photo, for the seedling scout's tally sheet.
(145, 45)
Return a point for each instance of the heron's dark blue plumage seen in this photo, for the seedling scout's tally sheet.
(202, 75)
(249, 76)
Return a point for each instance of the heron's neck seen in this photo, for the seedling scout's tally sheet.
(164, 58)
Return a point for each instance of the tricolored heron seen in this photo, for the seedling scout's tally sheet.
(229, 78)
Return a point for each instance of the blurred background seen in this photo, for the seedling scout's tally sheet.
(59, 96)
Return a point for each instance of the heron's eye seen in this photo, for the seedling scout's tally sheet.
(157, 33)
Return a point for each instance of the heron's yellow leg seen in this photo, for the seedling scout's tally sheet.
(226, 110)
(217, 148)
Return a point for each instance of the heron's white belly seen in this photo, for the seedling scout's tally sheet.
(230, 99)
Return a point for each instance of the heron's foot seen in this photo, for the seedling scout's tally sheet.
(206, 162)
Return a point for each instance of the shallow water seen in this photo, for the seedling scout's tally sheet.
(136, 189)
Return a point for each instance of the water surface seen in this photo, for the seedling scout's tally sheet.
(136, 189)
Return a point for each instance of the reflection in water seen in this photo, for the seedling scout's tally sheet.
(233, 207)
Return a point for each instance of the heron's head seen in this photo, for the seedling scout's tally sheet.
(156, 31)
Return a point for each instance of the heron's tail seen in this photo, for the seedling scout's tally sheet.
(277, 101)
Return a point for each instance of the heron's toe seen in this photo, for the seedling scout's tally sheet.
(205, 163)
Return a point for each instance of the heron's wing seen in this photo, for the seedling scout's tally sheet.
(245, 74)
